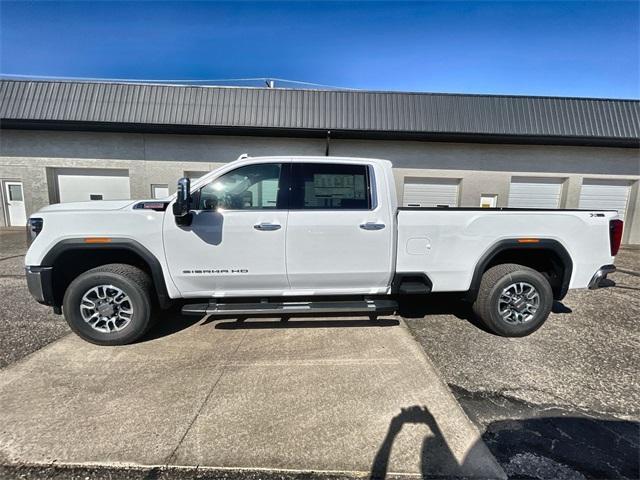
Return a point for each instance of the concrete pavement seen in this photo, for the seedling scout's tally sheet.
(347, 395)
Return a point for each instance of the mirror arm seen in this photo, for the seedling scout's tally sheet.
(185, 220)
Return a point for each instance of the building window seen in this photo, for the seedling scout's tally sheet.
(159, 190)
(489, 200)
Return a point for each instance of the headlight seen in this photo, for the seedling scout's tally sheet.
(34, 227)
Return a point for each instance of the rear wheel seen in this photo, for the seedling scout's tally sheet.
(513, 300)
(109, 305)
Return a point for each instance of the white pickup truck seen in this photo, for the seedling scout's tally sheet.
(289, 235)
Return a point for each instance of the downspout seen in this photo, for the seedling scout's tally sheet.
(326, 151)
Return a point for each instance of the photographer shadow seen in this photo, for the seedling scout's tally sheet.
(436, 457)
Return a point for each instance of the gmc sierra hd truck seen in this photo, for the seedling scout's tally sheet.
(290, 235)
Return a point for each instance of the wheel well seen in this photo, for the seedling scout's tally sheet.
(545, 261)
(73, 262)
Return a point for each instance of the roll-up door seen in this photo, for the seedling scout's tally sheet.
(535, 192)
(599, 194)
(431, 192)
(82, 184)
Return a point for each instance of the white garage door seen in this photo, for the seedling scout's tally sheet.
(605, 195)
(430, 192)
(535, 192)
(79, 184)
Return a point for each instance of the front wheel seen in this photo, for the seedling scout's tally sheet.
(109, 305)
(513, 300)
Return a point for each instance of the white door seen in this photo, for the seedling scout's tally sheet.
(599, 194)
(535, 192)
(338, 239)
(159, 191)
(430, 192)
(80, 184)
(235, 244)
(488, 200)
(15, 204)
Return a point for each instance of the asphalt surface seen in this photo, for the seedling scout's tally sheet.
(562, 403)
(25, 326)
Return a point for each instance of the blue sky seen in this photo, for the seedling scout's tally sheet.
(539, 48)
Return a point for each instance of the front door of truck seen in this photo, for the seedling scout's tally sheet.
(339, 237)
(236, 241)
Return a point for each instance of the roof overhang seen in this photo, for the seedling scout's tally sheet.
(136, 107)
(318, 133)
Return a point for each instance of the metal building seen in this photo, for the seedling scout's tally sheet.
(69, 141)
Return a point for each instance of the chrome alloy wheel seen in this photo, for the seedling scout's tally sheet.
(518, 302)
(106, 308)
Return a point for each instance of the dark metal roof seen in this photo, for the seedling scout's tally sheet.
(346, 113)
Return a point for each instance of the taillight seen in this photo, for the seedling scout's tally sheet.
(615, 236)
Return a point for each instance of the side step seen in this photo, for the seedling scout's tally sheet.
(291, 308)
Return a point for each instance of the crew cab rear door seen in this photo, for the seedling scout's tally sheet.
(339, 236)
(235, 244)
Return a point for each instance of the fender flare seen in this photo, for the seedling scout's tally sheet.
(157, 275)
(513, 244)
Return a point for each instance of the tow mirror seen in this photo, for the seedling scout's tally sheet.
(182, 206)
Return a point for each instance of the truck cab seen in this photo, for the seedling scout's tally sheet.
(285, 226)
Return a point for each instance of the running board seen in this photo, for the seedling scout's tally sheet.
(369, 307)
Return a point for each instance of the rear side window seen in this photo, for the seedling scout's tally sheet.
(326, 186)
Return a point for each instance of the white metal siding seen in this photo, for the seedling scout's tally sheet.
(430, 192)
(605, 195)
(78, 185)
(535, 192)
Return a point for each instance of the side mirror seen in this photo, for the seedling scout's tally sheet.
(182, 206)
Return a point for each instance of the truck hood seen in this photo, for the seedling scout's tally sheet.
(93, 205)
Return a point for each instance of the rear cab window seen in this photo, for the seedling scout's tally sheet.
(330, 186)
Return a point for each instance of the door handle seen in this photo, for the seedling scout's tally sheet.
(267, 227)
(372, 226)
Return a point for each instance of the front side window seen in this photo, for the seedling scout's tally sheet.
(330, 186)
(252, 187)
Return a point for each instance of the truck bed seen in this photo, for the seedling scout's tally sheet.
(448, 243)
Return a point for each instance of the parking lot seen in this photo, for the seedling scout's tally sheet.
(341, 396)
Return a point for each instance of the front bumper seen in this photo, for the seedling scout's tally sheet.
(40, 284)
(601, 275)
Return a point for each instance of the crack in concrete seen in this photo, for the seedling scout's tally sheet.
(628, 272)
(12, 256)
(223, 370)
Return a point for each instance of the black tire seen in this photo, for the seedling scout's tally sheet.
(492, 284)
(135, 283)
